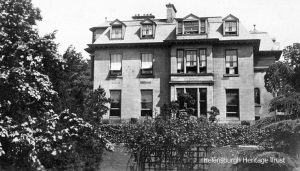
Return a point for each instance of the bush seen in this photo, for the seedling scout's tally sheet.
(213, 113)
(272, 119)
(133, 120)
(247, 123)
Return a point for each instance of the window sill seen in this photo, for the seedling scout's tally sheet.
(147, 76)
(231, 75)
(115, 76)
(257, 105)
(187, 74)
(116, 38)
(194, 34)
(148, 37)
(232, 118)
(231, 34)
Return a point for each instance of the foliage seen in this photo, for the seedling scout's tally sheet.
(34, 133)
(279, 78)
(73, 82)
(95, 106)
(281, 141)
(289, 102)
(263, 122)
(282, 79)
(245, 123)
(289, 163)
(77, 144)
(283, 136)
(213, 114)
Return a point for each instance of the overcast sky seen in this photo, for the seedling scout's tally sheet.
(73, 18)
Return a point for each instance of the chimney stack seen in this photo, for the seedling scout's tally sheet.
(171, 12)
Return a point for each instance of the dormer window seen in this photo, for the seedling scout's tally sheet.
(117, 29)
(230, 28)
(191, 24)
(147, 28)
(230, 25)
(116, 32)
(191, 27)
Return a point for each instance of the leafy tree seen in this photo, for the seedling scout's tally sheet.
(32, 128)
(282, 79)
(95, 106)
(73, 82)
(26, 92)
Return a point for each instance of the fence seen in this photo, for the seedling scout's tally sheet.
(173, 159)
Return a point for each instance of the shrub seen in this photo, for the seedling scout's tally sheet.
(213, 113)
(133, 120)
(247, 123)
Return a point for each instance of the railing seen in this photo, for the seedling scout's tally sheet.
(173, 159)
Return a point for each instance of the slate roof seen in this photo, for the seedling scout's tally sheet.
(167, 31)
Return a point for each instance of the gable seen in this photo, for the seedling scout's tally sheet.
(117, 22)
(230, 17)
(191, 17)
(148, 21)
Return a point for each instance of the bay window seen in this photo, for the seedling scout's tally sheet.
(191, 61)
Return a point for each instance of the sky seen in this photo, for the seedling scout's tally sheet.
(73, 18)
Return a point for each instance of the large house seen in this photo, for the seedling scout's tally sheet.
(146, 62)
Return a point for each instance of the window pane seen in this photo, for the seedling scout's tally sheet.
(232, 98)
(179, 91)
(115, 95)
(147, 60)
(115, 112)
(146, 105)
(180, 60)
(203, 101)
(191, 27)
(231, 27)
(257, 96)
(147, 30)
(115, 105)
(146, 102)
(193, 92)
(203, 30)
(116, 32)
(179, 28)
(231, 62)
(146, 113)
(146, 95)
(191, 58)
(116, 62)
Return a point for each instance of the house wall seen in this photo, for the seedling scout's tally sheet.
(262, 110)
(130, 83)
(244, 82)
